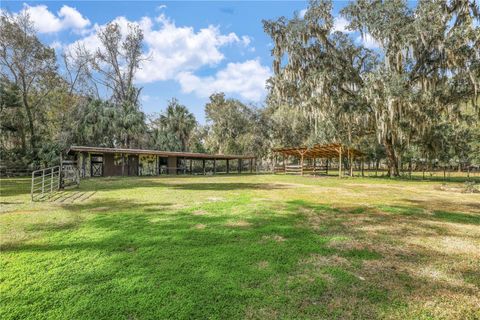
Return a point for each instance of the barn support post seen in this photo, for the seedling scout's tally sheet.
(203, 164)
(239, 165)
(274, 162)
(314, 165)
(251, 165)
(228, 165)
(284, 164)
(326, 171)
(214, 166)
(123, 164)
(191, 166)
(340, 162)
(301, 163)
(351, 163)
(184, 165)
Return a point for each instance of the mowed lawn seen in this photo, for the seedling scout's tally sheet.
(241, 247)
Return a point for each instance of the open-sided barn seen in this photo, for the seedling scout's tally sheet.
(100, 161)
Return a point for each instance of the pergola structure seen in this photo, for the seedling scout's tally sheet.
(318, 151)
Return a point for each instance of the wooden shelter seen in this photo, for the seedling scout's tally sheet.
(99, 161)
(308, 156)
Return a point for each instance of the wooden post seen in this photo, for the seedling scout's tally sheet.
(363, 166)
(239, 165)
(33, 185)
(251, 165)
(340, 162)
(203, 163)
(43, 181)
(184, 165)
(301, 163)
(191, 166)
(60, 171)
(228, 165)
(351, 163)
(314, 165)
(123, 164)
(328, 160)
(274, 162)
(51, 180)
(214, 166)
(284, 164)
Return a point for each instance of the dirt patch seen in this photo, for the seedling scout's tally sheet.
(200, 226)
(100, 209)
(317, 260)
(199, 212)
(238, 223)
(215, 199)
(276, 238)
(263, 264)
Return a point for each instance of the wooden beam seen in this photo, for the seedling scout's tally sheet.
(228, 166)
(214, 166)
(203, 164)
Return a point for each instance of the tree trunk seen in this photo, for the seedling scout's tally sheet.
(391, 158)
(31, 128)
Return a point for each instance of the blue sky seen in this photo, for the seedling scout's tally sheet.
(195, 48)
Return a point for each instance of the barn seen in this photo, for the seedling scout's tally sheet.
(100, 162)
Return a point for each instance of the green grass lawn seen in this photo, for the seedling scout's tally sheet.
(240, 247)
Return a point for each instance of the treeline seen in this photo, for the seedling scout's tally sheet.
(49, 103)
(413, 99)
(406, 89)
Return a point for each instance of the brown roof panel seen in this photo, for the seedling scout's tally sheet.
(331, 150)
(158, 152)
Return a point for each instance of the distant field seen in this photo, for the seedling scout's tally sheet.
(241, 247)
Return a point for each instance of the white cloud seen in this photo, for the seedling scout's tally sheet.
(161, 7)
(71, 18)
(177, 52)
(173, 49)
(247, 79)
(56, 45)
(368, 41)
(340, 24)
(47, 22)
(302, 13)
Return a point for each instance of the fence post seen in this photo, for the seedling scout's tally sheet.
(51, 180)
(33, 179)
(43, 181)
(59, 178)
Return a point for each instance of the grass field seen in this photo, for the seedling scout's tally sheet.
(241, 247)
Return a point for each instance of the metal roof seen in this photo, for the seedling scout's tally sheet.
(320, 151)
(158, 152)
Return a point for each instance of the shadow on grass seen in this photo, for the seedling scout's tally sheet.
(127, 259)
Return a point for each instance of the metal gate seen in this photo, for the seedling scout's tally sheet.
(46, 181)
